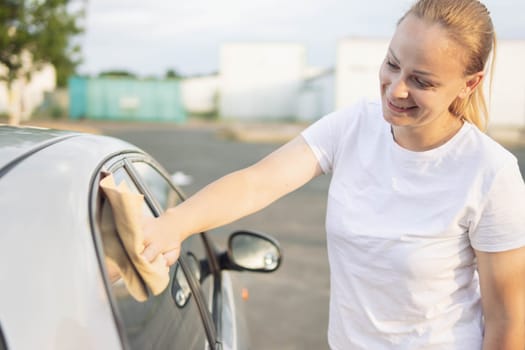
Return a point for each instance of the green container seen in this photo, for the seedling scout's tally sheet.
(127, 99)
(77, 88)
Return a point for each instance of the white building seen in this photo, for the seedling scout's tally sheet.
(316, 96)
(359, 60)
(26, 95)
(261, 80)
(200, 94)
(357, 69)
(507, 103)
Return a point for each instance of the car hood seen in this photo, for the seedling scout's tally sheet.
(18, 142)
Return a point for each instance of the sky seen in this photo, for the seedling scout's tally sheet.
(148, 37)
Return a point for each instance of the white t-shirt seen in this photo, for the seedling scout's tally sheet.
(401, 228)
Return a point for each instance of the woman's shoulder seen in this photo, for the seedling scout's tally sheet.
(481, 146)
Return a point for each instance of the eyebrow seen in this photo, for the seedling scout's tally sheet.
(421, 72)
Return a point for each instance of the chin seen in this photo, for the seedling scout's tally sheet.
(396, 119)
(392, 118)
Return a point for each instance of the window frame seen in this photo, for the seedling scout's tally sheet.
(3, 341)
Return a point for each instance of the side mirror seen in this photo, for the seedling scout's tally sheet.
(253, 251)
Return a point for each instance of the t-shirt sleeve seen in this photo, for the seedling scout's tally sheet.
(325, 135)
(501, 225)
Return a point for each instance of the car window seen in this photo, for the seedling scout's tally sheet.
(121, 175)
(159, 322)
(193, 248)
(162, 322)
(160, 188)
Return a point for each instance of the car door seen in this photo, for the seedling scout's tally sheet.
(178, 318)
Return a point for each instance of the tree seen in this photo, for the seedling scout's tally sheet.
(38, 32)
(172, 74)
(117, 74)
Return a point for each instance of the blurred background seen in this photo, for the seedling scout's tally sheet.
(169, 75)
(234, 60)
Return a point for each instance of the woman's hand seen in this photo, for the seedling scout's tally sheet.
(160, 238)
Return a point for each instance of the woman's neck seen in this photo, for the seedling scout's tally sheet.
(426, 137)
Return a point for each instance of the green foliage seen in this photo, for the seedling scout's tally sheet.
(172, 74)
(57, 112)
(42, 28)
(117, 74)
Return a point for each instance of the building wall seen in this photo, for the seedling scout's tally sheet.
(27, 95)
(260, 80)
(200, 94)
(357, 69)
(359, 60)
(125, 99)
(316, 96)
(507, 104)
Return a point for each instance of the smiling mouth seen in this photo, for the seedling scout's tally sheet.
(400, 109)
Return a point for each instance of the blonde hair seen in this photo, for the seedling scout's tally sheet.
(469, 24)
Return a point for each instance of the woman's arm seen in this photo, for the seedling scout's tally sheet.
(502, 281)
(232, 197)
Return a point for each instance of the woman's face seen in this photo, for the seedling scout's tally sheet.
(421, 76)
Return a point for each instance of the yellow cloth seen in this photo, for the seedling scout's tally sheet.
(124, 242)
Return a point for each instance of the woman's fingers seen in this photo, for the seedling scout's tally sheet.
(171, 256)
(154, 242)
(150, 252)
(152, 246)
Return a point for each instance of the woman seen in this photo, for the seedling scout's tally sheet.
(426, 214)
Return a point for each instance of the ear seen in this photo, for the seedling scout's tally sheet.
(471, 83)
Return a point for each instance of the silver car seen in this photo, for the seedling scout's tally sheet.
(55, 287)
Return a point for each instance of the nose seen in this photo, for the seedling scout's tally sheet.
(398, 88)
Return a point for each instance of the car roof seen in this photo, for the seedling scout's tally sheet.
(17, 143)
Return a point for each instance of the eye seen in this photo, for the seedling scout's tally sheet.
(391, 64)
(422, 83)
